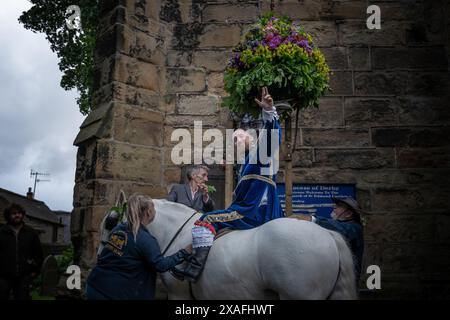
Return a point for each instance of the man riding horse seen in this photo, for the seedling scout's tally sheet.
(255, 197)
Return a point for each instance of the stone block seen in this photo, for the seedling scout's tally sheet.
(423, 158)
(94, 216)
(380, 83)
(399, 228)
(359, 58)
(172, 175)
(185, 36)
(328, 114)
(442, 228)
(127, 162)
(428, 83)
(341, 83)
(413, 137)
(138, 126)
(301, 158)
(424, 110)
(188, 120)
(185, 80)
(359, 159)
(216, 35)
(412, 58)
(364, 112)
(83, 194)
(211, 60)
(177, 58)
(116, 38)
(304, 10)
(395, 177)
(137, 73)
(356, 33)
(336, 57)
(215, 84)
(412, 199)
(197, 104)
(90, 243)
(338, 10)
(107, 191)
(77, 221)
(323, 32)
(335, 137)
(149, 48)
(243, 12)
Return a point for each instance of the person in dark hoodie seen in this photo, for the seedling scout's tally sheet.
(345, 219)
(21, 255)
(126, 267)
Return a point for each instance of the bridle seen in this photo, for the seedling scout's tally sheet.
(178, 232)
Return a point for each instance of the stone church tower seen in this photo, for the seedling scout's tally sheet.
(384, 127)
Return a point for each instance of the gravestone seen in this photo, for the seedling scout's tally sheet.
(50, 276)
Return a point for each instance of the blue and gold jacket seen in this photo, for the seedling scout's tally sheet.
(255, 196)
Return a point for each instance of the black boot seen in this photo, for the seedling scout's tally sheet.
(194, 268)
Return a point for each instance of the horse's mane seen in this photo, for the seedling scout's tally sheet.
(174, 206)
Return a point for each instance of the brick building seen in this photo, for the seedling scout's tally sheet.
(384, 127)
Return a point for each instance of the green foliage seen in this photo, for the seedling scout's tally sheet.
(211, 189)
(280, 55)
(121, 209)
(65, 259)
(74, 48)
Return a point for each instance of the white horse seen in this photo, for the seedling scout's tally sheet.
(282, 259)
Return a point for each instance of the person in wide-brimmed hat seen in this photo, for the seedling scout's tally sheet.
(345, 219)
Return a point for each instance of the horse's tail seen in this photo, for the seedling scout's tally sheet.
(345, 286)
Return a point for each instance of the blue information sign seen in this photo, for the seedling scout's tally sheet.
(315, 198)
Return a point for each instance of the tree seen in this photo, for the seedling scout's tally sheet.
(74, 47)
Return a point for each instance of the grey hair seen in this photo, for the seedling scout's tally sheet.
(194, 169)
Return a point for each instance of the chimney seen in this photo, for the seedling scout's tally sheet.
(30, 194)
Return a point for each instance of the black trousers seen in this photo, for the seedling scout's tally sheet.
(20, 287)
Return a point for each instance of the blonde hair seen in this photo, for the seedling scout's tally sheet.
(137, 206)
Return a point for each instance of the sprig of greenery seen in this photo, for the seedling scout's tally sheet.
(211, 189)
(120, 211)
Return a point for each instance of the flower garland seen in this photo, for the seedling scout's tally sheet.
(280, 55)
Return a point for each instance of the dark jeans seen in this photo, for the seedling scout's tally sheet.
(20, 287)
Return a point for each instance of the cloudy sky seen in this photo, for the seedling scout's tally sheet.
(38, 119)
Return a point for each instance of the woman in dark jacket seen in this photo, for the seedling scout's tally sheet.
(127, 266)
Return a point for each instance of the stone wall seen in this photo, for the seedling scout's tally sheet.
(159, 66)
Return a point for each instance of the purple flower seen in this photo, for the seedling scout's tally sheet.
(235, 61)
(302, 43)
(275, 42)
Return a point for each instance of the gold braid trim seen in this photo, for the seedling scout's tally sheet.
(258, 177)
(223, 217)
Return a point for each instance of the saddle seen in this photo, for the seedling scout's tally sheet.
(222, 232)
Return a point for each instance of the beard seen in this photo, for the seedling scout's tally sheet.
(15, 222)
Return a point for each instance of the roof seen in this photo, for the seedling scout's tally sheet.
(61, 212)
(34, 208)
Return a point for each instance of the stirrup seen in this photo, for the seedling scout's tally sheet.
(177, 273)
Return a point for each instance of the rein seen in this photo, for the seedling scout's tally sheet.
(177, 233)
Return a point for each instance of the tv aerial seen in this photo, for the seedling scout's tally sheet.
(36, 176)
